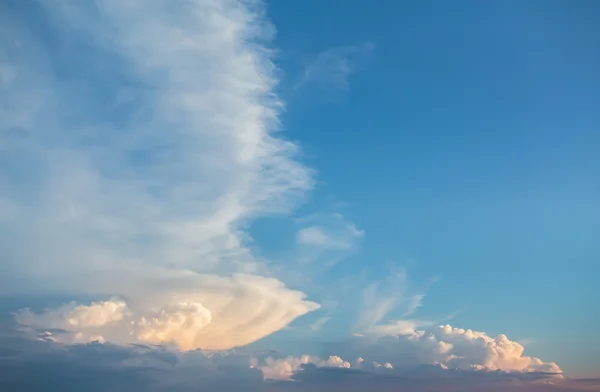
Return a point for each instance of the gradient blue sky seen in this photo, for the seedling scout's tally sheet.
(467, 141)
(324, 178)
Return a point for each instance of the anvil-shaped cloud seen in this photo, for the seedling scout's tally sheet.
(139, 140)
(216, 313)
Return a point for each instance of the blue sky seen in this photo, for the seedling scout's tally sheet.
(467, 141)
(316, 193)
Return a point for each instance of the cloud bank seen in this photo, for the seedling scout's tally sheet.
(27, 364)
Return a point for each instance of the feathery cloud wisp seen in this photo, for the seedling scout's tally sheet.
(333, 67)
(329, 232)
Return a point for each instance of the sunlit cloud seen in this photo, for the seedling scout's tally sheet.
(136, 164)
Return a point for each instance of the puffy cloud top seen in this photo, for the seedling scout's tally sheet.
(218, 314)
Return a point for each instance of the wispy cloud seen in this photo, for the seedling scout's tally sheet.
(320, 323)
(414, 303)
(329, 232)
(332, 68)
(380, 298)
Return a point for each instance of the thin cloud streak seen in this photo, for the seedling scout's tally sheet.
(332, 68)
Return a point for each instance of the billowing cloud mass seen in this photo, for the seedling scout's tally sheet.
(451, 347)
(444, 346)
(216, 314)
(141, 140)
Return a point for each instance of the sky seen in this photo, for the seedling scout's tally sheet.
(201, 195)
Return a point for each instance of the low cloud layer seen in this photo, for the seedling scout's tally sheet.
(37, 364)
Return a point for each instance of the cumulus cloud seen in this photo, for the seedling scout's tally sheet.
(139, 140)
(438, 351)
(286, 368)
(445, 345)
(208, 312)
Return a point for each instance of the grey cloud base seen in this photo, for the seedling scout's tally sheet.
(38, 365)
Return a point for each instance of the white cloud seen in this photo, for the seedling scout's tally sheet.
(381, 302)
(333, 67)
(414, 303)
(98, 314)
(196, 311)
(136, 163)
(397, 327)
(329, 232)
(285, 368)
(454, 348)
(314, 236)
(380, 298)
(320, 323)
(406, 342)
(443, 346)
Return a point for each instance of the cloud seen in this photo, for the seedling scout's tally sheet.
(329, 232)
(32, 365)
(139, 140)
(451, 347)
(332, 68)
(414, 303)
(382, 298)
(286, 368)
(207, 312)
(320, 323)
